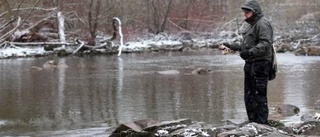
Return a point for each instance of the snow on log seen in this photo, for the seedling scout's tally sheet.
(40, 43)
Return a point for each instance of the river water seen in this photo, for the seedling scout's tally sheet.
(87, 96)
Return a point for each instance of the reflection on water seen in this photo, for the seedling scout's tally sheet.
(87, 95)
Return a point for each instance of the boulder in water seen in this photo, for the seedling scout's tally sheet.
(287, 109)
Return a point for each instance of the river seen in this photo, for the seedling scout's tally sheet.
(88, 95)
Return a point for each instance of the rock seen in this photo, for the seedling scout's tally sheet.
(53, 64)
(182, 49)
(169, 72)
(201, 129)
(282, 47)
(128, 126)
(277, 134)
(312, 50)
(306, 117)
(62, 52)
(145, 122)
(36, 68)
(257, 129)
(308, 51)
(235, 133)
(50, 47)
(49, 64)
(200, 71)
(251, 129)
(149, 128)
(237, 122)
(307, 128)
(168, 124)
(316, 116)
(276, 124)
(198, 129)
(317, 104)
(287, 109)
(185, 127)
(135, 127)
(226, 127)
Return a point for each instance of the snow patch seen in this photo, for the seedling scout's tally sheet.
(21, 52)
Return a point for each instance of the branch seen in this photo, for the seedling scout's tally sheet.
(164, 22)
(199, 20)
(37, 23)
(81, 45)
(7, 23)
(8, 34)
(114, 34)
(176, 25)
(28, 15)
(29, 8)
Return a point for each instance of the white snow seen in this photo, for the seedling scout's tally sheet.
(21, 52)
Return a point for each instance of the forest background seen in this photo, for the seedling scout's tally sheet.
(89, 19)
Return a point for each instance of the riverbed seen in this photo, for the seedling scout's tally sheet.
(89, 95)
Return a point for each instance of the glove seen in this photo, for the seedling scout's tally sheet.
(245, 54)
(222, 47)
(226, 44)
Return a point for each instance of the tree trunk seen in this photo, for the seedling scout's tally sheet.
(62, 35)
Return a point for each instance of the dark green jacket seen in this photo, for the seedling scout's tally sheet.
(258, 38)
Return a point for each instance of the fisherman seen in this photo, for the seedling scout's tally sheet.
(256, 51)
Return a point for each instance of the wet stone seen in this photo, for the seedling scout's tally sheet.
(306, 117)
(237, 122)
(287, 109)
(168, 124)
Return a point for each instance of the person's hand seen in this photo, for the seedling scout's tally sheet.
(222, 47)
(245, 54)
(225, 49)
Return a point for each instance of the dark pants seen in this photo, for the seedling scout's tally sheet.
(255, 90)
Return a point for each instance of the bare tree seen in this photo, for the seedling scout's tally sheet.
(160, 10)
(91, 18)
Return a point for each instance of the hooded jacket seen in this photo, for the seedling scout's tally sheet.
(258, 37)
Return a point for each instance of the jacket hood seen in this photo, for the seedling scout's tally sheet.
(253, 6)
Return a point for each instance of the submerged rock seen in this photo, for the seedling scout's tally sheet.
(287, 109)
(50, 64)
(200, 71)
(169, 72)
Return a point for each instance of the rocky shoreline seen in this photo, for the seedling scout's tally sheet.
(308, 126)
